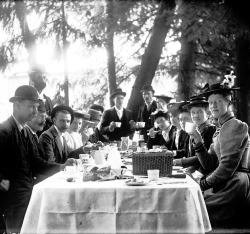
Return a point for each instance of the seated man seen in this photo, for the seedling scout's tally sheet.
(53, 140)
(19, 160)
(198, 107)
(33, 126)
(119, 114)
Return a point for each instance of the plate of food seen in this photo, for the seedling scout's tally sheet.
(135, 182)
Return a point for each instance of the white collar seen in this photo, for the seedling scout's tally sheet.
(119, 111)
(19, 126)
(30, 129)
(59, 133)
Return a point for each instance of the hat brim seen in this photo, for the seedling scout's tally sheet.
(115, 94)
(147, 90)
(208, 93)
(165, 98)
(59, 108)
(173, 107)
(89, 122)
(16, 98)
(195, 103)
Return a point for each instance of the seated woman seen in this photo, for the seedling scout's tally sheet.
(73, 137)
(162, 135)
(227, 159)
(198, 107)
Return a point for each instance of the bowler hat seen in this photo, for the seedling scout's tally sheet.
(196, 101)
(41, 107)
(161, 113)
(97, 107)
(95, 115)
(223, 87)
(25, 92)
(60, 108)
(164, 97)
(176, 107)
(118, 91)
(147, 87)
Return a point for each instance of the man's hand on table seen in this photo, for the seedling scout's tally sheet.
(69, 162)
(4, 185)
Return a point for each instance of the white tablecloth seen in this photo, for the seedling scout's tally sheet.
(57, 206)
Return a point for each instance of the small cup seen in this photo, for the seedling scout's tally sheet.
(70, 170)
(141, 124)
(156, 146)
(84, 158)
(141, 137)
(190, 127)
(118, 124)
(153, 175)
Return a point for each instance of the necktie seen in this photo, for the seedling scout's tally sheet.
(36, 138)
(177, 136)
(23, 133)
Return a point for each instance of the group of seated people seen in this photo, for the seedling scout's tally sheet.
(218, 148)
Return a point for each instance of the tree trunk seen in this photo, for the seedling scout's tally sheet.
(243, 78)
(110, 48)
(152, 54)
(185, 78)
(28, 38)
(65, 60)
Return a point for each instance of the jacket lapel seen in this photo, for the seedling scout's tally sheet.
(114, 115)
(57, 141)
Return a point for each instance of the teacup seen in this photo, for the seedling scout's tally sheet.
(190, 127)
(84, 158)
(153, 175)
(141, 124)
(118, 124)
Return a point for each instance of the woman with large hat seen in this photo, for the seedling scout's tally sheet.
(198, 107)
(228, 160)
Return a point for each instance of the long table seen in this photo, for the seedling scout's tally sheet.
(58, 206)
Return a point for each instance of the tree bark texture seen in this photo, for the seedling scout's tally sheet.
(65, 60)
(110, 48)
(185, 78)
(243, 78)
(152, 54)
(28, 38)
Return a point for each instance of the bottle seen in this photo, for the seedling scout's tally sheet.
(114, 159)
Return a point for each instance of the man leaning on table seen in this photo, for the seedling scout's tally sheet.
(19, 160)
(53, 141)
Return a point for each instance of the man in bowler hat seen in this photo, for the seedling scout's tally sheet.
(19, 160)
(146, 110)
(53, 140)
(111, 117)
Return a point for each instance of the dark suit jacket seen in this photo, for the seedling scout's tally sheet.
(53, 149)
(39, 150)
(124, 131)
(19, 162)
(145, 116)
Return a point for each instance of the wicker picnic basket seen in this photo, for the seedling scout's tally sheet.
(143, 161)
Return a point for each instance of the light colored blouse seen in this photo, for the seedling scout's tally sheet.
(74, 140)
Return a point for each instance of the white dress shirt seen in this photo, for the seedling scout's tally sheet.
(119, 112)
